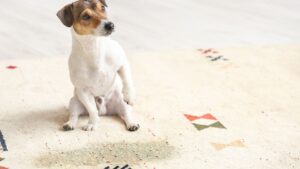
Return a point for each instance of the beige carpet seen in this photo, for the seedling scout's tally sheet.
(221, 108)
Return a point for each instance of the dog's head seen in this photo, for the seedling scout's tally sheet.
(88, 17)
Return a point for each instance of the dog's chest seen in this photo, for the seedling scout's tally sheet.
(98, 77)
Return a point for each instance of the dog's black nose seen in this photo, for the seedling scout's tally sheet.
(109, 26)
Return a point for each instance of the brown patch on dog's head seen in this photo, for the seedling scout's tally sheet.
(84, 15)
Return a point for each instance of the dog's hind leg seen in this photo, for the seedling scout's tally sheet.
(76, 108)
(126, 114)
(118, 106)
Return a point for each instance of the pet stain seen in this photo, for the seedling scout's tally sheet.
(114, 153)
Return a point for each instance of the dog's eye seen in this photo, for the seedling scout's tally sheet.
(86, 17)
(103, 8)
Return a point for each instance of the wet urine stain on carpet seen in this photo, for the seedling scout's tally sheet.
(108, 153)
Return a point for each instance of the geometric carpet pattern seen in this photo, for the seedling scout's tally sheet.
(204, 121)
(2, 142)
(235, 143)
(117, 167)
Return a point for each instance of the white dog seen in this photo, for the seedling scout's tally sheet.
(98, 66)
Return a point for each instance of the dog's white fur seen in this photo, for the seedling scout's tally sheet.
(101, 76)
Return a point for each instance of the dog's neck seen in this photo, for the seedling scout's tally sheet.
(91, 47)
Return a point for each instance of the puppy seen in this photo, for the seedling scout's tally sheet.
(98, 66)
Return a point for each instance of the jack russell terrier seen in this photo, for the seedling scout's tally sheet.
(98, 66)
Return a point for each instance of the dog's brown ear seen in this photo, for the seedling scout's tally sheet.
(66, 16)
(103, 2)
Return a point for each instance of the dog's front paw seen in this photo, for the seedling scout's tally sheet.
(68, 126)
(89, 127)
(129, 95)
(133, 127)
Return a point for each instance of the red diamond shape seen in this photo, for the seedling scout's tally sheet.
(191, 117)
(11, 67)
(208, 116)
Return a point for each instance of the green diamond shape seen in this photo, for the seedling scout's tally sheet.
(218, 125)
(200, 127)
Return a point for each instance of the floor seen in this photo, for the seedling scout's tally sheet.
(31, 29)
